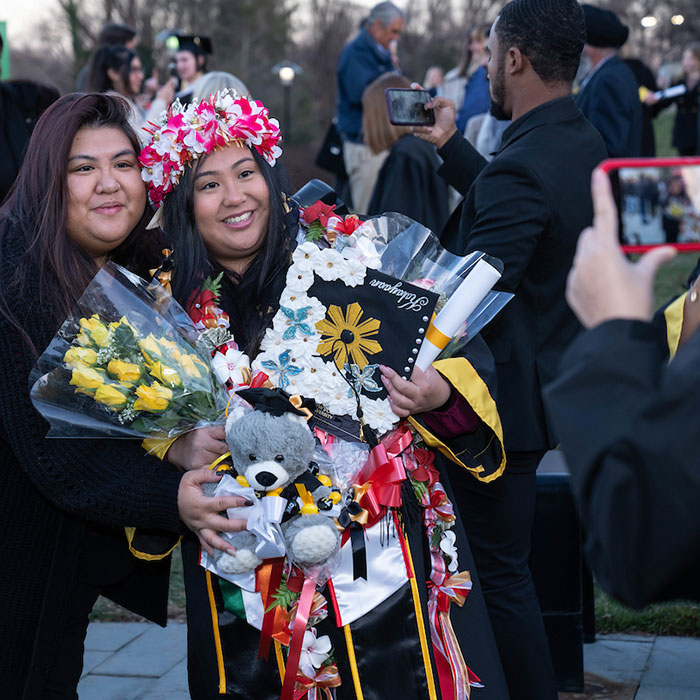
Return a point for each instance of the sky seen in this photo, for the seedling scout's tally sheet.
(21, 15)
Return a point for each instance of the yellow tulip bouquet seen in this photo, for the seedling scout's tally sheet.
(126, 363)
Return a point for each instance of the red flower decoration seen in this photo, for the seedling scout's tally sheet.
(317, 211)
(350, 223)
(199, 307)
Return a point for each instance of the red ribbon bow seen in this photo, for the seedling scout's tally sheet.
(385, 475)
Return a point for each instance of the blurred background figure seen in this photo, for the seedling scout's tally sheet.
(609, 94)
(112, 33)
(363, 60)
(218, 80)
(476, 98)
(22, 102)
(118, 70)
(408, 182)
(676, 204)
(434, 78)
(191, 62)
(456, 78)
(646, 79)
(685, 125)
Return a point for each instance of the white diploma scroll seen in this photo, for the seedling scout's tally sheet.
(477, 284)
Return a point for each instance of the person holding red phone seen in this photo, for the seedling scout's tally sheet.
(627, 419)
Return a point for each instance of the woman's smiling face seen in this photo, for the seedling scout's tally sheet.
(231, 206)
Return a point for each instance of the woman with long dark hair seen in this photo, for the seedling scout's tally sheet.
(117, 69)
(78, 202)
(225, 212)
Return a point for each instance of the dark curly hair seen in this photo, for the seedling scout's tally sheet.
(551, 33)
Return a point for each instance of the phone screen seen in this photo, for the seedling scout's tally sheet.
(407, 107)
(658, 202)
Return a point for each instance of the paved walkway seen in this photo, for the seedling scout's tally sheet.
(141, 661)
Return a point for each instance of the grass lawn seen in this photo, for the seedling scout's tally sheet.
(678, 619)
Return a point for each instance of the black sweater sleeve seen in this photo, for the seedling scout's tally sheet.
(629, 427)
(462, 163)
(112, 482)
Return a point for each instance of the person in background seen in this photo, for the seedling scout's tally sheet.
(112, 33)
(685, 124)
(215, 81)
(191, 63)
(363, 60)
(118, 70)
(22, 102)
(627, 419)
(408, 182)
(456, 78)
(526, 208)
(645, 79)
(476, 92)
(434, 78)
(609, 94)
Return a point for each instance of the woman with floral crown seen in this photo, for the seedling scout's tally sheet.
(224, 208)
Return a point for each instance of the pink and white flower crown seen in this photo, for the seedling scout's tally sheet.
(185, 133)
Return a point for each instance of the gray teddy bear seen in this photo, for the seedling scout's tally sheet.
(272, 447)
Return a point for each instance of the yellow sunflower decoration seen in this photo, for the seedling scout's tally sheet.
(347, 337)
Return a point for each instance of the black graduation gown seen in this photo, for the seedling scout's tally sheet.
(408, 183)
(385, 642)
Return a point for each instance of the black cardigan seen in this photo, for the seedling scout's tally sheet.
(52, 491)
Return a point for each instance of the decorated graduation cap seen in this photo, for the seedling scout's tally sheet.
(195, 43)
(276, 402)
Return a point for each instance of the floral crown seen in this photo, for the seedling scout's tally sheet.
(185, 133)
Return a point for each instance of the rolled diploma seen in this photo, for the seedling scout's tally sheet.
(477, 284)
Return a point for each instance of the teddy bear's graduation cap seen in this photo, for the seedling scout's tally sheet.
(276, 402)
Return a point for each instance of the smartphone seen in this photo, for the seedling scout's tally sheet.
(407, 107)
(658, 202)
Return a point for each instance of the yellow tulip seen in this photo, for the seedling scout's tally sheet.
(80, 356)
(150, 348)
(154, 398)
(170, 346)
(124, 371)
(193, 366)
(165, 374)
(83, 339)
(98, 332)
(110, 396)
(86, 378)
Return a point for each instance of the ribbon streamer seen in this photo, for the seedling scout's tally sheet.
(268, 577)
(448, 654)
(302, 618)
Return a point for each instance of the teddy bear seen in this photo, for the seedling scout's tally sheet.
(272, 449)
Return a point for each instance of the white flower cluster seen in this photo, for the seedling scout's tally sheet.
(288, 350)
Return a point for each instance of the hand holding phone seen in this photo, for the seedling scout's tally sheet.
(406, 107)
(658, 201)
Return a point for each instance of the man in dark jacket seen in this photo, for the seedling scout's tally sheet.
(363, 60)
(527, 207)
(609, 95)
